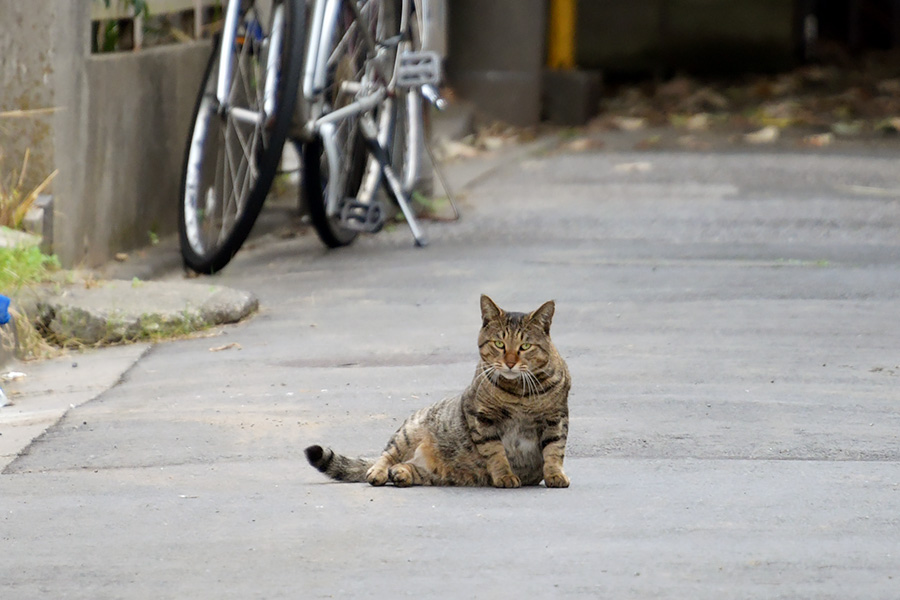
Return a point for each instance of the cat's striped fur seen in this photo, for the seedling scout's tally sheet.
(507, 429)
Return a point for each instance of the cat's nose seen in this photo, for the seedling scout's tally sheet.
(510, 360)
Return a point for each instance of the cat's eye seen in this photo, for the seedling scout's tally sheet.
(499, 344)
(525, 346)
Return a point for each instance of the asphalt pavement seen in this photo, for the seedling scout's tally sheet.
(730, 323)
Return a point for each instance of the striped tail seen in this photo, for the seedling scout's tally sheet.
(337, 466)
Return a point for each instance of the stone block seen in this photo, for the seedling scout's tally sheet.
(571, 97)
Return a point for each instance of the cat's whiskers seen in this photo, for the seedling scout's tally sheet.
(531, 386)
(523, 377)
(488, 372)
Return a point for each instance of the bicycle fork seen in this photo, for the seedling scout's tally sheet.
(226, 65)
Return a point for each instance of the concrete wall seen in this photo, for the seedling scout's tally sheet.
(704, 36)
(117, 136)
(26, 83)
(133, 136)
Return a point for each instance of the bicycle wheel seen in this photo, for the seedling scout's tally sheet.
(234, 149)
(352, 68)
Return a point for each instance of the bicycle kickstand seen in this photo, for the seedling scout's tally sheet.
(430, 93)
(395, 188)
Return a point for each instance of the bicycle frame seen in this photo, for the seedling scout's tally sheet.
(226, 68)
(323, 25)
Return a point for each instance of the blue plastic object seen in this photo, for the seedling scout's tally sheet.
(255, 31)
(4, 310)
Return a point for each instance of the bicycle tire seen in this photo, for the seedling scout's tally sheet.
(229, 164)
(356, 163)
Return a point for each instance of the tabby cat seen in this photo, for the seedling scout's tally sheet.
(507, 429)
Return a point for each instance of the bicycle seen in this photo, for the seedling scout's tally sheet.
(361, 56)
(364, 69)
(240, 124)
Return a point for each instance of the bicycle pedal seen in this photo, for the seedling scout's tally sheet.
(368, 217)
(418, 68)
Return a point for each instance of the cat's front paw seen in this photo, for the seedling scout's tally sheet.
(510, 480)
(377, 475)
(556, 479)
(401, 475)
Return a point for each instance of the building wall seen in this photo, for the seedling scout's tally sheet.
(27, 48)
(704, 36)
(496, 55)
(117, 134)
(133, 131)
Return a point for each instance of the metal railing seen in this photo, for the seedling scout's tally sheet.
(119, 10)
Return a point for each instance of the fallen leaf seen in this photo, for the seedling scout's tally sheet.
(820, 74)
(818, 140)
(705, 99)
(698, 122)
(234, 345)
(583, 144)
(452, 149)
(121, 256)
(891, 125)
(629, 123)
(783, 110)
(633, 167)
(492, 143)
(766, 135)
(786, 83)
(847, 128)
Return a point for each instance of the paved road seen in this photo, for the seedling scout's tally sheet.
(731, 324)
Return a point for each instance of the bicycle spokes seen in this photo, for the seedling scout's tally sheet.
(243, 115)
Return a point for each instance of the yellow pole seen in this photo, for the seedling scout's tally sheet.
(561, 42)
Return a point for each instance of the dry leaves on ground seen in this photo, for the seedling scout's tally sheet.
(824, 102)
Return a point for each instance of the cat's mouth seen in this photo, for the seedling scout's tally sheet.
(510, 374)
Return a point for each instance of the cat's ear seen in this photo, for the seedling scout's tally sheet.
(489, 310)
(544, 315)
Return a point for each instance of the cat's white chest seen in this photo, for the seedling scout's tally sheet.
(523, 450)
(516, 443)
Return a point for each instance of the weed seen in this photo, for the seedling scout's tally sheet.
(24, 265)
(14, 200)
(31, 345)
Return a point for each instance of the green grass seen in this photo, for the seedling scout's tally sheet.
(23, 265)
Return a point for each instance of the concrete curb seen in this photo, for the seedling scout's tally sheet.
(116, 311)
